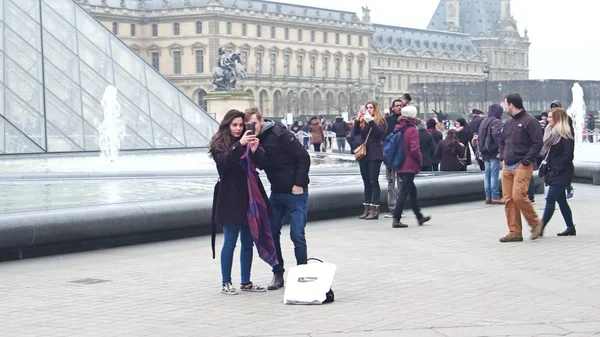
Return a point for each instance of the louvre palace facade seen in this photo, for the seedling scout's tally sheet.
(308, 60)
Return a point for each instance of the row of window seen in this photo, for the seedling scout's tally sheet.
(412, 64)
(176, 29)
(259, 32)
(299, 37)
(199, 57)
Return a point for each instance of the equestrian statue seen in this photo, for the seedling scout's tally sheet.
(229, 69)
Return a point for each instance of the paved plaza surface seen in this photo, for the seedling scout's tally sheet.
(449, 278)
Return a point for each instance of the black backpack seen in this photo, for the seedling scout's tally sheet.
(487, 144)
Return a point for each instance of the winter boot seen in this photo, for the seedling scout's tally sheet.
(373, 213)
(366, 211)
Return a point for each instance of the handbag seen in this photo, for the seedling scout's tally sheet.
(543, 168)
(310, 283)
(463, 160)
(361, 151)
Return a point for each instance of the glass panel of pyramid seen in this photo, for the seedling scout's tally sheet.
(56, 60)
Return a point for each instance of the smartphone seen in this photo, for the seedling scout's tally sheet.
(251, 127)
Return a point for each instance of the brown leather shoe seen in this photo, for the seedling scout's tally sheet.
(511, 238)
(366, 211)
(536, 231)
(488, 201)
(373, 213)
(498, 202)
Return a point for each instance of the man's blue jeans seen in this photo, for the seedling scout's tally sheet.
(490, 183)
(297, 207)
(230, 236)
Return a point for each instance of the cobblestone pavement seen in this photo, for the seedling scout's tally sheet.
(449, 278)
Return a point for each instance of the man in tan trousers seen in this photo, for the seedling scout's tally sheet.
(520, 146)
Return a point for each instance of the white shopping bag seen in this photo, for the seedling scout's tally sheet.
(309, 283)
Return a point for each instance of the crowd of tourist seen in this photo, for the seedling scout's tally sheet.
(408, 145)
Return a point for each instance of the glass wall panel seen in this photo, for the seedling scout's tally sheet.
(65, 8)
(92, 83)
(135, 119)
(193, 138)
(24, 54)
(1, 29)
(64, 119)
(2, 149)
(61, 57)
(25, 86)
(167, 119)
(58, 142)
(92, 110)
(132, 141)
(23, 25)
(17, 142)
(65, 89)
(131, 88)
(93, 30)
(1, 67)
(59, 27)
(163, 139)
(25, 118)
(91, 137)
(31, 7)
(164, 90)
(127, 59)
(202, 122)
(95, 58)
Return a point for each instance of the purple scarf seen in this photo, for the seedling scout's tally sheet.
(258, 215)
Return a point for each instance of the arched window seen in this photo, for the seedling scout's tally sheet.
(202, 99)
(198, 27)
(115, 28)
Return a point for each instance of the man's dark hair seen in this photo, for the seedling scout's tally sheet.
(515, 99)
(407, 97)
(396, 100)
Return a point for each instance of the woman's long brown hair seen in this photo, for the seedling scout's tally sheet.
(450, 141)
(561, 123)
(379, 119)
(222, 139)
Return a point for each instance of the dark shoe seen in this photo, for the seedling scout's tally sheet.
(373, 213)
(365, 212)
(398, 224)
(424, 220)
(569, 232)
(498, 202)
(488, 201)
(276, 283)
(511, 238)
(536, 231)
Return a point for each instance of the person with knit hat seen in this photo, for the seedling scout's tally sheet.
(407, 123)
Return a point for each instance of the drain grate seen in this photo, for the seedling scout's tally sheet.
(89, 281)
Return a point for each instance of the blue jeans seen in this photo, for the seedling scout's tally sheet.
(556, 193)
(230, 236)
(297, 207)
(490, 183)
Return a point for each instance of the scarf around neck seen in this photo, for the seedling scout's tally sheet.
(551, 138)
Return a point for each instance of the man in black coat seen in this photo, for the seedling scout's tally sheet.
(287, 164)
(474, 125)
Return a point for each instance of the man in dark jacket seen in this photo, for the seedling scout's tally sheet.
(287, 164)
(520, 146)
(490, 135)
(427, 148)
(341, 129)
(591, 126)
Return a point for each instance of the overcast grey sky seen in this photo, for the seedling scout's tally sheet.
(565, 43)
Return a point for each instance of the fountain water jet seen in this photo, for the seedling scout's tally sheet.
(577, 112)
(111, 130)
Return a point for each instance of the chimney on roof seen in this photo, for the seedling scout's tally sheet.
(452, 23)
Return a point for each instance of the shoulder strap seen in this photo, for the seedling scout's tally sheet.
(368, 134)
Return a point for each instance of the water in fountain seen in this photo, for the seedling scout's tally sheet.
(111, 130)
(577, 112)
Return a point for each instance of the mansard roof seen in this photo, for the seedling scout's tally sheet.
(477, 17)
(257, 5)
(422, 40)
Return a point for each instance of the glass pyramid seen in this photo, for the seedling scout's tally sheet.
(55, 63)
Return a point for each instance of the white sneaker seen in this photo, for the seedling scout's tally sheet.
(252, 287)
(389, 215)
(228, 289)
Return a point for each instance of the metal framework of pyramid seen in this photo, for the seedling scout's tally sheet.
(55, 63)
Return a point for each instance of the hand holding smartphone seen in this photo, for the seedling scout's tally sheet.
(251, 127)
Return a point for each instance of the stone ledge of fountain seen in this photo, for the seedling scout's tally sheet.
(587, 172)
(40, 232)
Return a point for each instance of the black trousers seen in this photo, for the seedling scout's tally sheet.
(407, 190)
(369, 170)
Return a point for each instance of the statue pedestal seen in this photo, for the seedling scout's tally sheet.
(219, 102)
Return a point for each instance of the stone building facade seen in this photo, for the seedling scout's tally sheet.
(299, 59)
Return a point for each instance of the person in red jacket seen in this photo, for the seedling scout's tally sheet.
(411, 166)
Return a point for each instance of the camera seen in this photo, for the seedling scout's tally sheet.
(251, 127)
